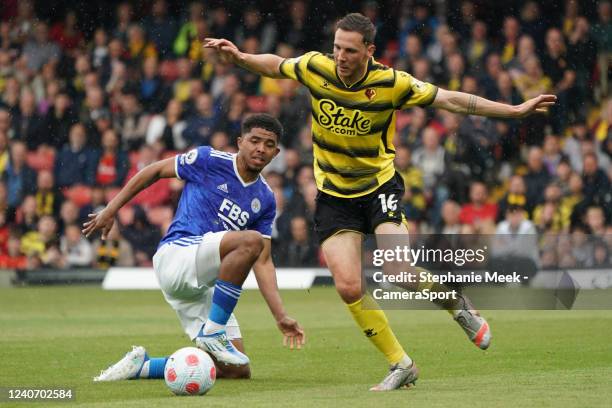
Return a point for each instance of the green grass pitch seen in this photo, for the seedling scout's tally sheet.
(63, 336)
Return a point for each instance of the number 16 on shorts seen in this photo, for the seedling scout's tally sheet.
(388, 202)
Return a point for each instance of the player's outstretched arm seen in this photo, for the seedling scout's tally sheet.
(104, 219)
(265, 273)
(460, 102)
(262, 64)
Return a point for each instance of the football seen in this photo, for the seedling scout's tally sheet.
(190, 371)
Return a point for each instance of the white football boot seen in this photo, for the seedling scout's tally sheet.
(221, 349)
(397, 378)
(126, 368)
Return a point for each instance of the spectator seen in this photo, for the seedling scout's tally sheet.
(28, 124)
(59, 119)
(20, 179)
(97, 203)
(99, 52)
(114, 251)
(430, 159)
(515, 225)
(26, 219)
(596, 221)
(511, 31)
(552, 215)
(154, 94)
(413, 202)
(413, 50)
(40, 50)
(161, 28)
(142, 236)
(451, 223)
(139, 47)
(67, 34)
(113, 163)
(537, 177)
(42, 246)
(4, 152)
(300, 250)
(220, 26)
(168, 129)
(69, 215)
(48, 198)
(555, 66)
(255, 26)
(601, 32)
(478, 212)
(76, 251)
(189, 30)
(551, 153)
(596, 183)
(124, 16)
(13, 258)
(199, 127)
(480, 135)
(515, 195)
(76, 163)
(533, 23)
(131, 123)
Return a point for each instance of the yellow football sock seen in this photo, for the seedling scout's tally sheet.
(374, 324)
(449, 305)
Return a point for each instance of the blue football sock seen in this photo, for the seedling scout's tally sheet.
(224, 300)
(153, 368)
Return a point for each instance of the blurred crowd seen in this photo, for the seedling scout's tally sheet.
(83, 108)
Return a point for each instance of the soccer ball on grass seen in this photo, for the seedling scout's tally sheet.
(190, 371)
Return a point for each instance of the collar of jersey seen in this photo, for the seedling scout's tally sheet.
(363, 78)
(244, 184)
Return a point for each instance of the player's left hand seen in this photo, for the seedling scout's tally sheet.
(539, 104)
(102, 220)
(293, 334)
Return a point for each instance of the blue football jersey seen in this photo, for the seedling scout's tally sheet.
(215, 198)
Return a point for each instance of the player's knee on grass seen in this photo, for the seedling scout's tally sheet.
(233, 372)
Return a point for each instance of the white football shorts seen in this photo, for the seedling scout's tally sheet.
(186, 270)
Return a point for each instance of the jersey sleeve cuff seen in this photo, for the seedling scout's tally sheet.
(176, 158)
(431, 98)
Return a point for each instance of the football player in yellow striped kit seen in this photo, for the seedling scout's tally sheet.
(354, 99)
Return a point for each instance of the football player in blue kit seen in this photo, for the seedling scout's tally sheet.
(220, 231)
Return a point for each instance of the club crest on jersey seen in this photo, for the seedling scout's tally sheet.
(255, 205)
(191, 156)
(370, 93)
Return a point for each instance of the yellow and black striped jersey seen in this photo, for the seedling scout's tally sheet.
(353, 126)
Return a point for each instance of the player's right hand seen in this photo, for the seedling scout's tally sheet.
(293, 334)
(103, 220)
(227, 49)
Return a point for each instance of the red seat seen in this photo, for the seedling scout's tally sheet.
(257, 104)
(41, 159)
(80, 195)
(168, 70)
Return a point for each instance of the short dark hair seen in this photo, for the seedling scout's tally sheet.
(263, 121)
(359, 23)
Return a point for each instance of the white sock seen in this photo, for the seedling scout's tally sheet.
(144, 371)
(405, 362)
(211, 327)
